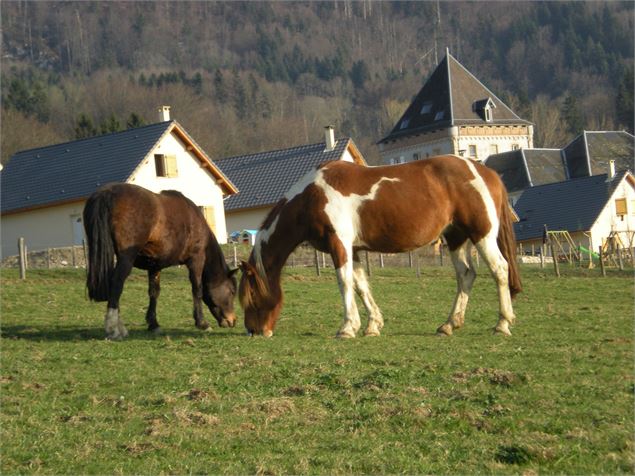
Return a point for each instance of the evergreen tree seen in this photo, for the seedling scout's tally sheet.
(110, 125)
(220, 88)
(84, 127)
(239, 97)
(359, 74)
(624, 101)
(134, 121)
(572, 115)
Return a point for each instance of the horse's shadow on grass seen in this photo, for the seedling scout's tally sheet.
(78, 334)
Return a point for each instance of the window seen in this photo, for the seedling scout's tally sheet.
(208, 213)
(415, 156)
(165, 165)
(493, 149)
(472, 151)
(426, 108)
(515, 147)
(439, 115)
(404, 123)
(620, 206)
(488, 114)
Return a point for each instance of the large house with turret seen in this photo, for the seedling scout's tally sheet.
(454, 113)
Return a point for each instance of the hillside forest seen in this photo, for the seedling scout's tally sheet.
(244, 77)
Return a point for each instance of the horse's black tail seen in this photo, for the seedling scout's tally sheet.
(507, 246)
(101, 249)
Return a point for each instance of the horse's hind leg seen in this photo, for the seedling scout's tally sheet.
(342, 260)
(154, 289)
(115, 328)
(465, 276)
(375, 319)
(488, 248)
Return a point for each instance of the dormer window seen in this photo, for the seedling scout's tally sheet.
(484, 108)
(439, 115)
(404, 123)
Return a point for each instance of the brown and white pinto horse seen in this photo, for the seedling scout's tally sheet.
(342, 208)
(153, 231)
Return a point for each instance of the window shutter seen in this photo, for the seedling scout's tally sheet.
(208, 213)
(170, 166)
(620, 206)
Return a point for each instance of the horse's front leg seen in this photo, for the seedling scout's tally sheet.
(196, 279)
(154, 289)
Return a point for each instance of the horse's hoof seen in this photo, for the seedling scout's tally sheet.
(114, 337)
(157, 331)
(444, 331)
(203, 325)
(502, 330)
(345, 335)
(371, 333)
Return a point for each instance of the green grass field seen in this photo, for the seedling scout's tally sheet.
(555, 398)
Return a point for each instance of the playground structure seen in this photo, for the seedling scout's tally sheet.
(616, 250)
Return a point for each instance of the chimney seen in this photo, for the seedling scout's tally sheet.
(164, 113)
(611, 169)
(329, 137)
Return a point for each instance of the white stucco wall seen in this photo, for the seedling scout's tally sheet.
(246, 220)
(455, 143)
(193, 180)
(609, 220)
(41, 229)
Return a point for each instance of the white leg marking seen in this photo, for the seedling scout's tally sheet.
(375, 319)
(488, 248)
(345, 279)
(114, 325)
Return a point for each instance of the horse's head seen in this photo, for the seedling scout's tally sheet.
(261, 303)
(218, 295)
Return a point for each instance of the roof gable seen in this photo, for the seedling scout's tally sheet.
(451, 96)
(265, 177)
(573, 205)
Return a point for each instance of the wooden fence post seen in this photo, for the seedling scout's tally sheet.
(543, 250)
(410, 259)
(555, 259)
(235, 256)
(368, 270)
(602, 261)
(619, 257)
(441, 254)
(22, 257)
(317, 262)
(381, 260)
(418, 265)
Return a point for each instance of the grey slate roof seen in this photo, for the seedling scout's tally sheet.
(451, 96)
(595, 149)
(265, 177)
(73, 170)
(523, 168)
(573, 205)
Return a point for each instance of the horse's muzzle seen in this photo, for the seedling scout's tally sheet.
(228, 321)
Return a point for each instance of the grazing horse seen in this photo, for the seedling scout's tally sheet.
(341, 208)
(153, 231)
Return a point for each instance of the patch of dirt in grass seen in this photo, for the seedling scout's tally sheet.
(197, 395)
(187, 417)
(495, 376)
(136, 448)
(33, 386)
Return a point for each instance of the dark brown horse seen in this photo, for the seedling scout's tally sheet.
(153, 231)
(342, 208)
